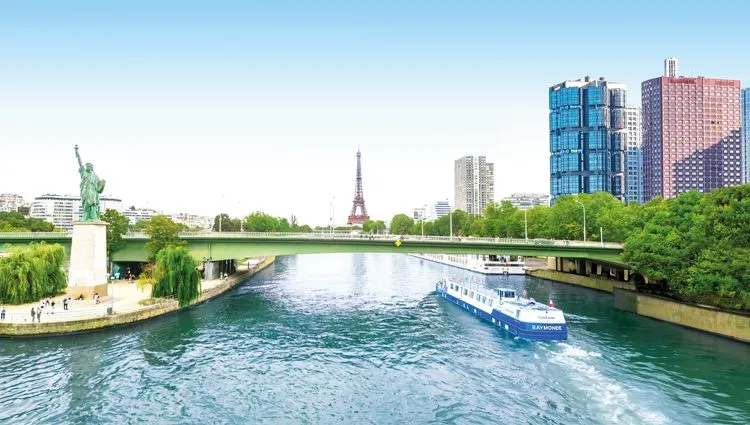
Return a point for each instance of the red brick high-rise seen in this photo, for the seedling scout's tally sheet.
(691, 135)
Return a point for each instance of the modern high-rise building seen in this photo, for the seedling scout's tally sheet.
(634, 156)
(670, 67)
(691, 135)
(587, 132)
(746, 135)
(63, 210)
(524, 201)
(474, 184)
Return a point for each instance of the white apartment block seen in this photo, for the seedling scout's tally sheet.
(524, 201)
(11, 202)
(474, 184)
(63, 210)
(192, 220)
(139, 214)
(634, 156)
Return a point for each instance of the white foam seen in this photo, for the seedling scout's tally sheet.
(611, 400)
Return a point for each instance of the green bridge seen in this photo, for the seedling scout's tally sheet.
(218, 246)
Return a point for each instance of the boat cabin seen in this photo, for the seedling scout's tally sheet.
(506, 294)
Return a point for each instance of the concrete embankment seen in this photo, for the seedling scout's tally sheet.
(119, 319)
(704, 318)
(591, 282)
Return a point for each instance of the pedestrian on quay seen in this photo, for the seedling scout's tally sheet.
(33, 314)
(2, 313)
(38, 315)
(53, 306)
(65, 303)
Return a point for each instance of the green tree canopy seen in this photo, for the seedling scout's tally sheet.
(373, 226)
(163, 233)
(118, 226)
(223, 222)
(32, 272)
(175, 274)
(401, 224)
(16, 222)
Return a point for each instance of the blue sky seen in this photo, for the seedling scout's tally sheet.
(242, 106)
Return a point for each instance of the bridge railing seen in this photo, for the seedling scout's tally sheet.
(411, 238)
(34, 235)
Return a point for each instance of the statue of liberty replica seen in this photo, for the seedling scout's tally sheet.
(91, 187)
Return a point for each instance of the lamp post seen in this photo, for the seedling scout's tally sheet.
(424, 211)
(331, 208)
(450, 219)
(525, 226)
(584, 218)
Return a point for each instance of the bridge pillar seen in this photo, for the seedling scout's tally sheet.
(211, 270)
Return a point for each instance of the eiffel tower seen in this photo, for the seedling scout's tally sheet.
(359, 199)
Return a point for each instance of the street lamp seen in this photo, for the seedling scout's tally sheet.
(331, 207)
(525, 226)
(584, 218)
(450, 218)
(424, 211)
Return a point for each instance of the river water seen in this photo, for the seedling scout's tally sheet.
(363, 339)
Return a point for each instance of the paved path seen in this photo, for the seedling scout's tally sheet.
(127, 297)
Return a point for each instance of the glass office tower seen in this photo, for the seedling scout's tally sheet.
(587, 135)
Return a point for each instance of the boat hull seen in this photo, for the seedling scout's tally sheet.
(532, 331)
(495, 270)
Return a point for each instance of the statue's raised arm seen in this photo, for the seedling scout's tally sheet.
(80, 163)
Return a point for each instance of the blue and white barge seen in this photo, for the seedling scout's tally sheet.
(502, 307)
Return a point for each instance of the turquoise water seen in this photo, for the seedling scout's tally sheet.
(363, 339)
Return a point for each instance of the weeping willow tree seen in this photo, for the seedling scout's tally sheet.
(32, 272)
(175, 274)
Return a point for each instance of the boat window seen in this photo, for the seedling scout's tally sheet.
(471, 294)
(491, 301)
(466, 291)
(484, 300)
(509, 294)
(478, 296)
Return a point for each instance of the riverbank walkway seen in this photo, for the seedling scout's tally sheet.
(128, 298)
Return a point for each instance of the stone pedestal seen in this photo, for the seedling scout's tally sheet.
(88, 260)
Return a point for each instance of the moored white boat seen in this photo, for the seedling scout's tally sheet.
(485, 264)
(502, 307)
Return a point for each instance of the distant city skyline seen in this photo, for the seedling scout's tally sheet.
(237, 107)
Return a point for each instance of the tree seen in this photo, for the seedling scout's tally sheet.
(261, 222)
(118, 226)
(139, 226)
(32, 272)
(401, 224)
(373, 226)
(16, 222)
(163, 233)
(175, 274)
(223, 222)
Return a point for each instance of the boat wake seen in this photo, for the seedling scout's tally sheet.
(611, 401)
(574, 318)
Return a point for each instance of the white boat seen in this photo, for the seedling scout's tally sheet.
(485, 264)
(519, 316)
